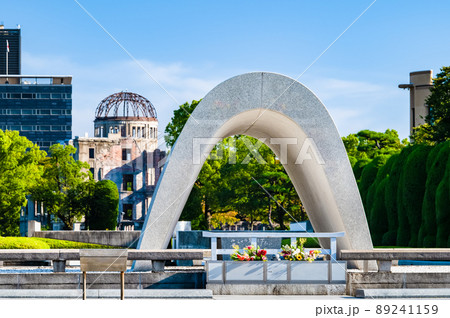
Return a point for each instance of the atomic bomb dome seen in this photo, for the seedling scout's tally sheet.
(125, 105)
(126, 114)
(124, 149)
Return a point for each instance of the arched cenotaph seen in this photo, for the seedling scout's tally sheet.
(295, 124)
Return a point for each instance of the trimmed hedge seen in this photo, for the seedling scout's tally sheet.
(407, 197)
(390, 201)
(436, 164)
(368, 176)
(43, 243)
(414, 189)
(403, 231)
(443, 210)
(375, 197)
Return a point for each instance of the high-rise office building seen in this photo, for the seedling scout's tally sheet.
(38, 106)
(419, 89)
(10, 51)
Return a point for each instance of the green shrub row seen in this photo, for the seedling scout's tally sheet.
(43, 243)
(407, 197)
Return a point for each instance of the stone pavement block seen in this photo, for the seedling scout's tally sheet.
(404, 293)
(106, 293)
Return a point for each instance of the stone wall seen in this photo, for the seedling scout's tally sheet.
(377, 280)
(133, 280)
(127, 239)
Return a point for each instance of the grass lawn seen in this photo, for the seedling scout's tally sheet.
(43, 243)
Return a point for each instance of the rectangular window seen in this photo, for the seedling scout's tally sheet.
(44, 111)
(91, 153)
(27, 112)
(14, 95)
(15, 112)
(126, 154)
(56, 112)
(14, 127)
(127, 211)
(45, 96)
(56, 96)
(27, 95)
(44, 127)
(27, 128)
(128, 182)
(92, 170)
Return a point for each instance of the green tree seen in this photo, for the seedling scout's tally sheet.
(19, 171)
(368, 144)
(177, 122)
(104, 206)
(438, 121)
(63, 189)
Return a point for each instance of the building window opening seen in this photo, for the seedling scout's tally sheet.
(128, 212)
(91, 153)
(139, 132)
(134, 132)
(128, 182)
(126, 154)
(92, 170)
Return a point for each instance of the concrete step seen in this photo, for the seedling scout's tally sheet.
(107, 293)
(404, 293)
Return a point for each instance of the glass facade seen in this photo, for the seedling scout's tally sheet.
(13, 38)
(41, 112)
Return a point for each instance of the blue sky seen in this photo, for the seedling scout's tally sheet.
(191, 46)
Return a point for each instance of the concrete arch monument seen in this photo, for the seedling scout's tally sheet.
(295, 124)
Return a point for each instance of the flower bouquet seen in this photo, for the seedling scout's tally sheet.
(250, 253)
(296, 252)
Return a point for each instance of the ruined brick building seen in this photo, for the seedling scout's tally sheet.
(124, 149)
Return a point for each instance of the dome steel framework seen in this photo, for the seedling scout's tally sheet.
(125, 104)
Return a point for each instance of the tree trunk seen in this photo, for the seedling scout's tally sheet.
(207, 212)
(281, 218)
(269, 215)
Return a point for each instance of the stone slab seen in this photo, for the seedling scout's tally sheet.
(126, 239)
(404, 293)
(185, 279)
(428, 254)
(107, 293)
(277, 289)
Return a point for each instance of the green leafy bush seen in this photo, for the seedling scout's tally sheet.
(104, 206)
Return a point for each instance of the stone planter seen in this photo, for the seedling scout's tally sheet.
(276, 272)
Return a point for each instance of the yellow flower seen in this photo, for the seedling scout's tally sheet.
(298, 257)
